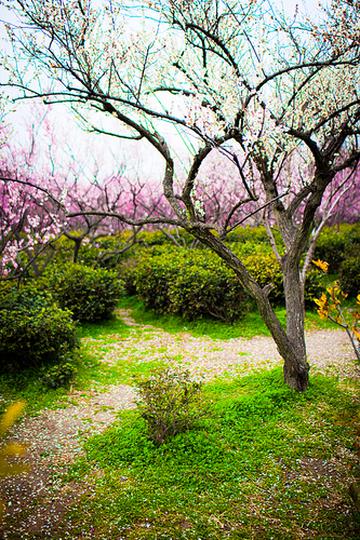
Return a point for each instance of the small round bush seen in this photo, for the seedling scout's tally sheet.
(33, 329)
(170, 402)
(90, 293)
(200, 291)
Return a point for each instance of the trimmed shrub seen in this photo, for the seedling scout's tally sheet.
(200, 291)
(90, 293)
(169, 402)
(152, 275)
(349, 275)
(192, 283)
(336, 243)
(60, 375)
(33, 329)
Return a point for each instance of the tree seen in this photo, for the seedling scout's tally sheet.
(36, 193)
(30, 217)
(269, 92)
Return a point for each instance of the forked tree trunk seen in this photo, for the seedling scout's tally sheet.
(290, 342)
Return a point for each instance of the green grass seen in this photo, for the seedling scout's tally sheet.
(264, 463)
(109, 328)
(106, 337)
(249, 469)
(26, 385)
(249, 326)
(98, 340)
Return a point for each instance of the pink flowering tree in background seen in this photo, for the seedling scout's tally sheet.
(94, 205)
(30, 215)
(39, 187)
(345, 206)
(29, 220)
(275, 95)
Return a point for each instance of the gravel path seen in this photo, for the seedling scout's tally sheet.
(329, 351)
(37, 502)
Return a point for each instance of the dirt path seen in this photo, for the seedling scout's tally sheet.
(36, 502)
(329, 351)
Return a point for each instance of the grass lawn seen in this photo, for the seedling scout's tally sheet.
(265, 462)
(28, 385)
(249, 326)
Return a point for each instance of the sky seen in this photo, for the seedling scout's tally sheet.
(94, 151)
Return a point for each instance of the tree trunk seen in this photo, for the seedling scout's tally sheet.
(77, 246)
(290, 342)
(296, 368)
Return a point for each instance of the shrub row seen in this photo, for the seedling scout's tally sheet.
(37, 319)
(197, 283)
(335, 245)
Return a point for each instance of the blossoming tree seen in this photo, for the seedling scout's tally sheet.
(30, 216)
(265, 90)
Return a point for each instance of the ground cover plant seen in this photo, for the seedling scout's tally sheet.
(258, 460)
(263, 463)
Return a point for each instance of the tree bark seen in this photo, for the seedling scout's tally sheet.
(77, 246)
(296, 368)
(290, 342)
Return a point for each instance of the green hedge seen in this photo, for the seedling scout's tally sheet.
(349, 275)
(91, 294)
(196, 283)
(192, 283)
(33, 329)
(337, 243)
